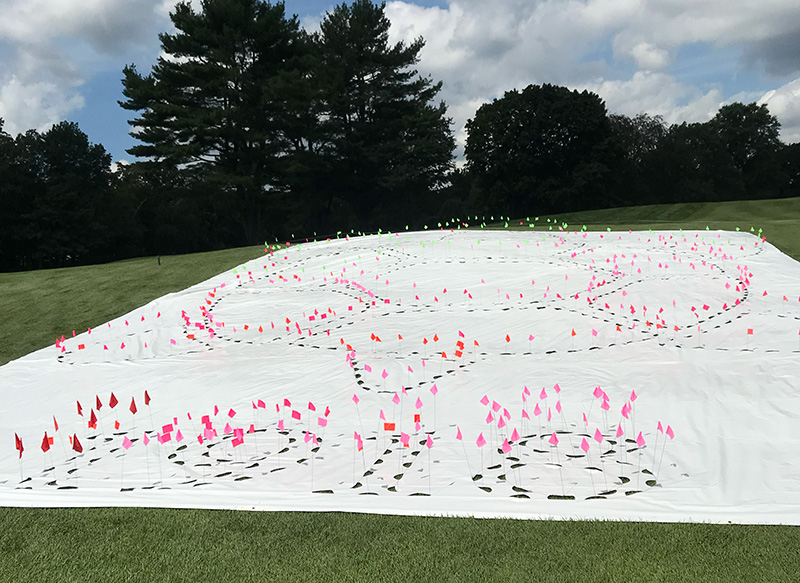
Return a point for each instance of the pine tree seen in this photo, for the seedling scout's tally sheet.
(388, 146)
(212, 104)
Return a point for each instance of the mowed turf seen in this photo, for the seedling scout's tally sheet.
(134, 544)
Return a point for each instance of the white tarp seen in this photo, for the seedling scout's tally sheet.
(268, 342)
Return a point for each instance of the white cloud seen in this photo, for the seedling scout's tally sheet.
(482, 49)
(51, 47)
(658, 94)
(784, 103)
(37, 106)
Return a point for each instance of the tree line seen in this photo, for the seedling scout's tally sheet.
(252, 129)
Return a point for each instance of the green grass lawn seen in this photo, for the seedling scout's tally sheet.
(133, 544)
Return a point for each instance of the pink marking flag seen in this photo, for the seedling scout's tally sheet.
(558, 406)
(355, 399)
(619, 430)
(396, 398)
(458, 434)
(543, 394)
(429, 442)
(367, 368)
(598, 437)
(145, 439)
(434, 389)
(507, 446)
(419, 403)
(598, 392)
(584, 445)
(481, 441)
(557, 388)
(525, 414)
(404, 439)
(633, 396)
(515, 435)
(179, 436)
(670, 433)
(295, 414)
(605, 406)
(489, 417)
(660, 428)
(640, 440)
(231, 413)
(485, 400)
(553, 439)
(384, 374)
(537, 411)
(495, 406)
(501, 423)
(322, 422)
(127, 443)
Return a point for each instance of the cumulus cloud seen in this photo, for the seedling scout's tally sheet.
(784, 103)
(51, 47)
(482, 49)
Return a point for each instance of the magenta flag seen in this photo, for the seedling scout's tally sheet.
(605, 406)
(501, 423)
(525, 390)
(553, 439)
(127, 443)
(146, 439)
(558, 406)
(396, 398)
(295, 414)
(311, 406)
(660, 428)
(485, 400)
(280, 425)
(179, 436)
(458, 434)
(633, 396)
(228, 428)
(640, 440)
(384, 374)
(507, 446)
(598, 392)
(625, 410)
(619, 430)
(515, 435)
(489, 417)
(429, 442)
(537, 411)
(598, 437)
(261, 404)
(481, 441)
(404, 438)
(322, 422)
(584, 445)
(367, 368)
(543, 394)
(419, 403)
(525, 414)
(355, 399)
(670, 433)
(286, 403)
(495, 406)
(549, 414)
(585, 421)
(434, 389)
(557, 388)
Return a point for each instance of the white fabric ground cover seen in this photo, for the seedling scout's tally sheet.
(295, 334)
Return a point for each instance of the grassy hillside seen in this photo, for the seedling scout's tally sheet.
(39, 306)
(779, 219)
(131, 544)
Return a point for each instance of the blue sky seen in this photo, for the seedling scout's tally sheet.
(682, 59)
